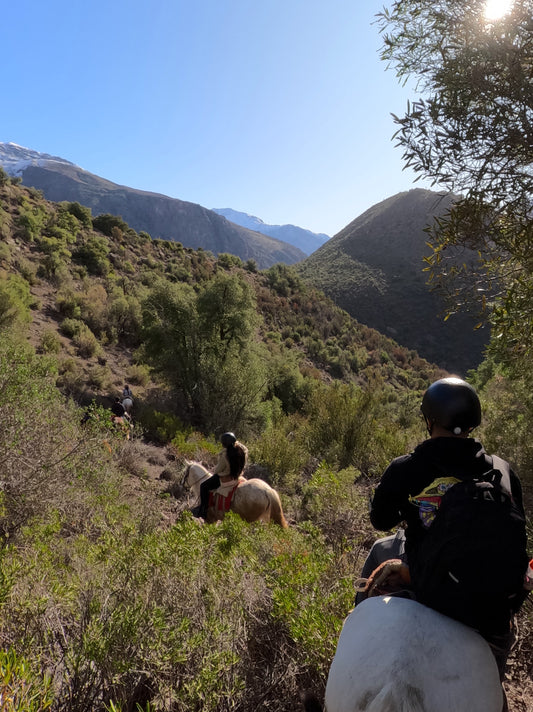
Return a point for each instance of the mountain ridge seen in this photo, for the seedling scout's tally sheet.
(159, 215)
(305, 240)
(374, 269)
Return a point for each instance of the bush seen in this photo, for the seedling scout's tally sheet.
(227, 261)
(5, 253)
(71, 327)
(100, 377)
(106, 224)
(139, 375)
(94, 255)
(22, 688)
(50, 342)
(87, 343)
(158, 426)
(82, 213)
(15, 301)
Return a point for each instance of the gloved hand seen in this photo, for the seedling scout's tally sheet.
(391, 576)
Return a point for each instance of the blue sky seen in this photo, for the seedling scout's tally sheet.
(277, 108)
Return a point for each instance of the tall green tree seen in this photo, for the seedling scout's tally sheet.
(204, 344)
(471, 132)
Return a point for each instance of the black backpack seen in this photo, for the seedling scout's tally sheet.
(471, 562)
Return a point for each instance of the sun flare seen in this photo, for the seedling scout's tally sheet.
(496, 9)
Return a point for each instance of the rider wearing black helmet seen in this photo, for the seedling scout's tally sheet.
(451, 410)
(230, 465)
(452, 404)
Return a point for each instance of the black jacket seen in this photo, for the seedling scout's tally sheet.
(407, 476)
(410, 474)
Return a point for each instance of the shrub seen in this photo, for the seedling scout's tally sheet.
(162, 427)
(139, 375)
(68, 303)
(21, 687)
(100, 377)
(282, 451)
(106, 223)
(15, 301)
(30, 222)
(192, 444)
(87, 343)
(27, 269)
(227, 261)
(94, 255)
(5, 253)
(50, 342)
(82, 213)
(71, 327)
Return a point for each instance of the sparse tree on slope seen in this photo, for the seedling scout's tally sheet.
(204, 344)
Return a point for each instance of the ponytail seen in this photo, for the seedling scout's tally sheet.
(237, 454)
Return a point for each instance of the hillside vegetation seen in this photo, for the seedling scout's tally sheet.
(375, 269)
(113, 598)
(160, 215)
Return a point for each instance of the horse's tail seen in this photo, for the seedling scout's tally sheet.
(403, 698)
(276, 510)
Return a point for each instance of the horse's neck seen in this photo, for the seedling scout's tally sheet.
(196, 486)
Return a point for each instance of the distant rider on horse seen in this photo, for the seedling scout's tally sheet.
(230, 466)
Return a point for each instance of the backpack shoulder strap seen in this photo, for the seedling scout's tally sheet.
(503, 466)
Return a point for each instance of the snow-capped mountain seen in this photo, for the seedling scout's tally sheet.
(15, 159)
(305, 240)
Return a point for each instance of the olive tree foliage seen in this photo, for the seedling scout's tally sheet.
(471, 132)
(203, 342)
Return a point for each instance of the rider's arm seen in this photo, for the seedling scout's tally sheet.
(389, 500)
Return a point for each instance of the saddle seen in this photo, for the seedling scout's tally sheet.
(221, 498)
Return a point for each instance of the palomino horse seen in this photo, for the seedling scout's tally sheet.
(396, 655)
(253, 500)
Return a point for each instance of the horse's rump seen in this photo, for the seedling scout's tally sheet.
(127, 404)
(253, 499)
(397, 655)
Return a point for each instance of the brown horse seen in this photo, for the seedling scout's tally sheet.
(253, 500)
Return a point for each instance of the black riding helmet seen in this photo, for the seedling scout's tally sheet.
(228, 439)
(453, 404)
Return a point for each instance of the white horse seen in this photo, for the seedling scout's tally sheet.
(396, 655)
(127, 404)
(253, 500)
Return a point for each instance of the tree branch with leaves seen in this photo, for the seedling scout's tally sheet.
(470, 131)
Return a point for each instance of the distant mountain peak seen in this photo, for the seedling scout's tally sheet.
(305, 240)
(160, 216)
(15, 159)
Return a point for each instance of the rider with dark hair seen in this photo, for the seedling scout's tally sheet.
(230, 465)
(118, 409)
(451, 410)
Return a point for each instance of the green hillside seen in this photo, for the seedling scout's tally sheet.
(374, 268)
(113, 598)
